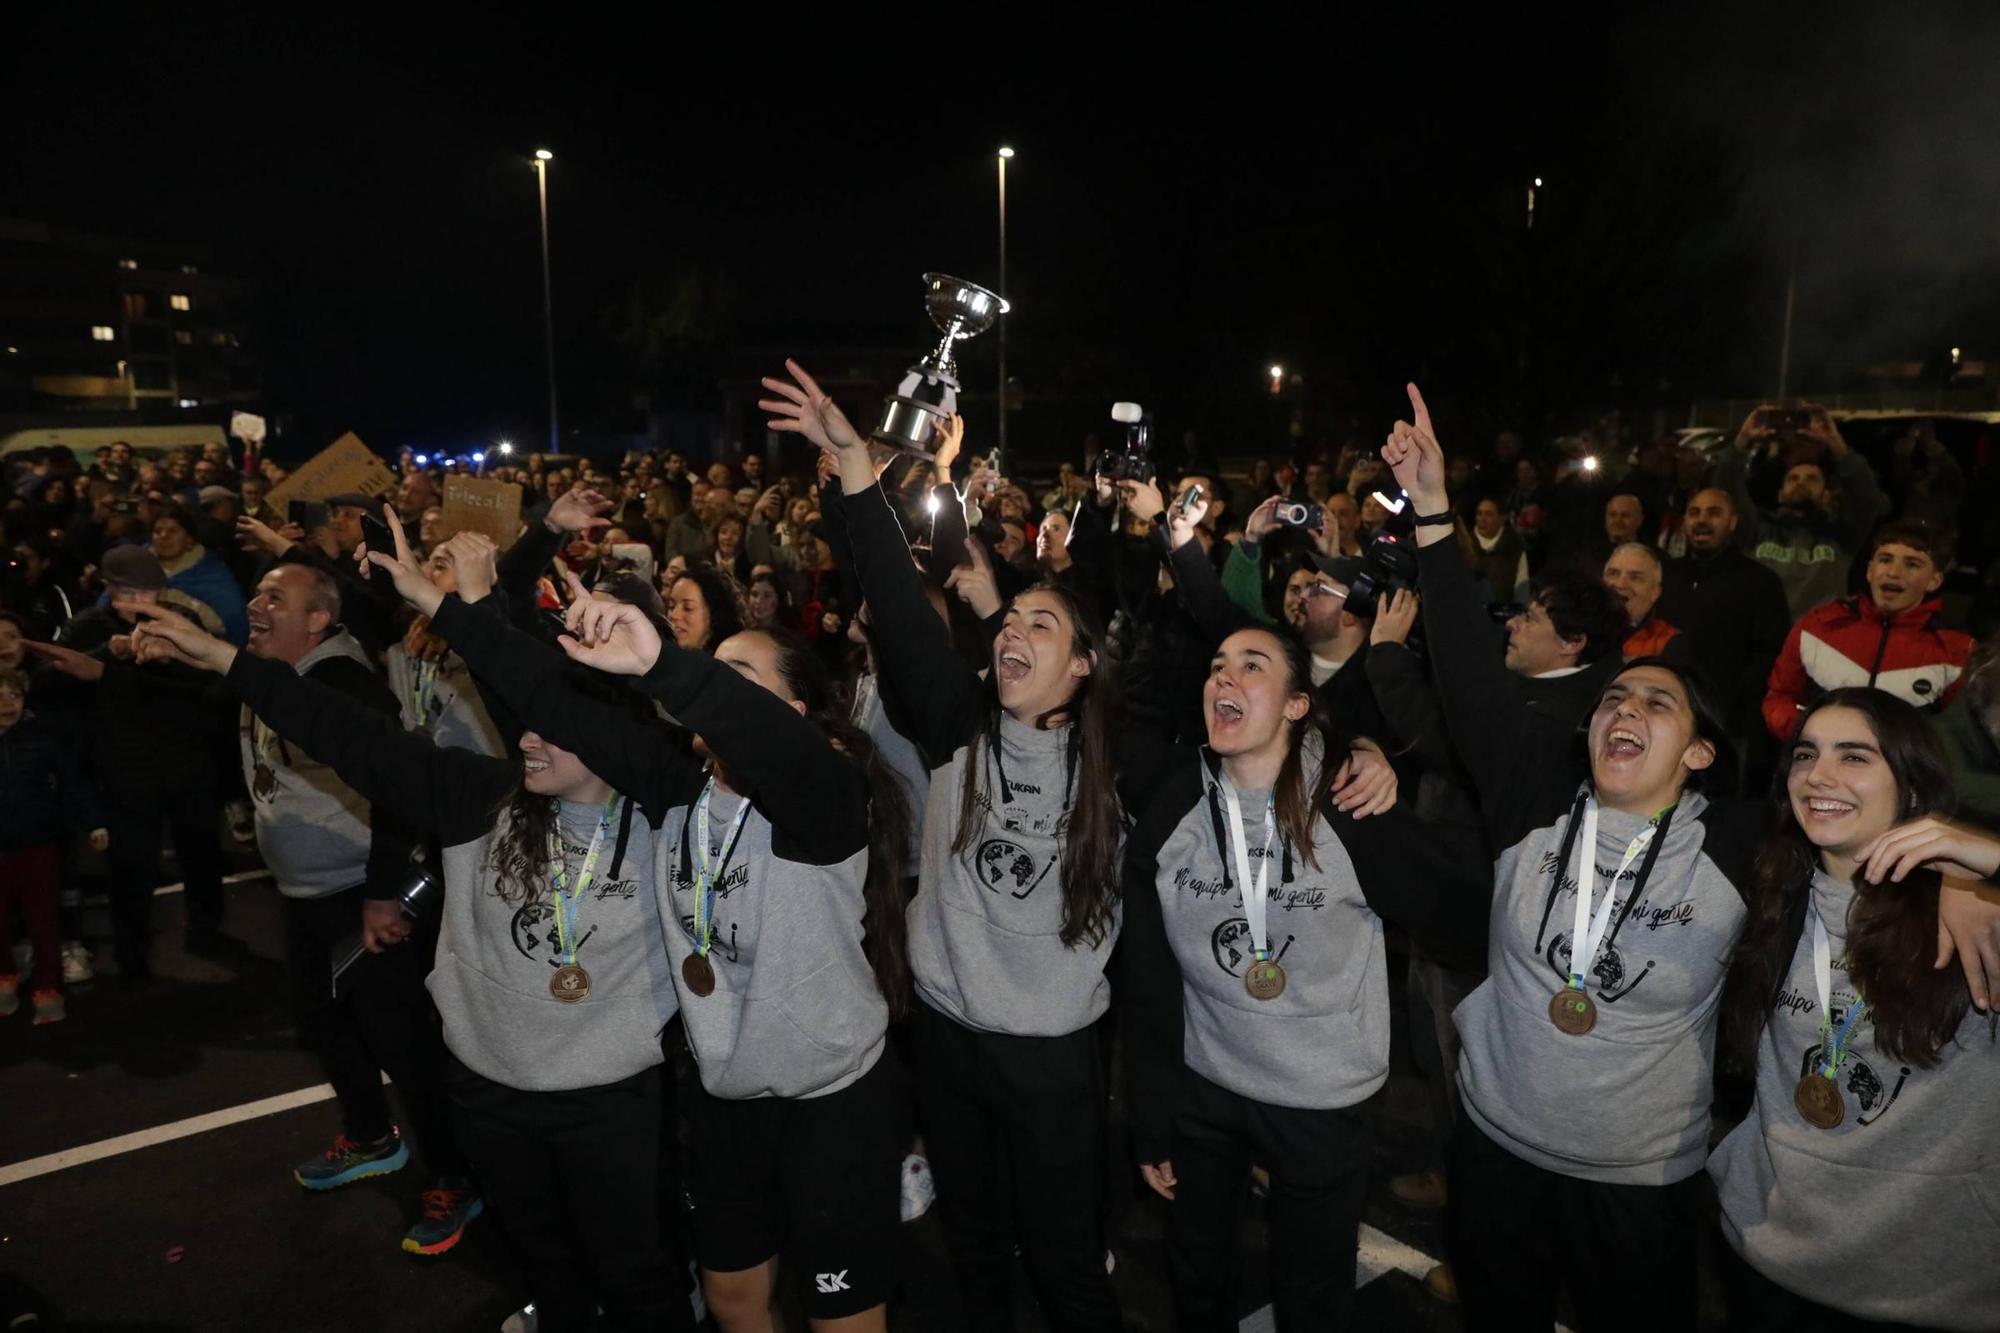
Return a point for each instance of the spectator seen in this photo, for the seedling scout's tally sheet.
(1925, 479)
(1891, 637)
(200, 573)
(1344, 515)
(1731, 609)
(1969, 727)
(1501, 558)
(768, 605)
(1635, 574)
(34, 587)
(1820, 521)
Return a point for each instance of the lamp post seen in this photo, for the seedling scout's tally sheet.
(1000, 438)
(542, 159)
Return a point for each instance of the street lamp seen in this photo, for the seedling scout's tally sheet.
(542, 159)
(1277, 378)
(1005, 155)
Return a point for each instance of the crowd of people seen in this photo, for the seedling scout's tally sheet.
(908, 809)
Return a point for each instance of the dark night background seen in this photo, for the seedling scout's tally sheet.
(1187, 205)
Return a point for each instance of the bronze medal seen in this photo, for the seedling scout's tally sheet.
(1265, 980)
(1818, 1099)
(1573, 1011)
(698, 974)
(570, 983)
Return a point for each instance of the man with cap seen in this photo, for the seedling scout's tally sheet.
(151, 750)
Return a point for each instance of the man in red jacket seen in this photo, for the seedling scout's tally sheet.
(1893, 638)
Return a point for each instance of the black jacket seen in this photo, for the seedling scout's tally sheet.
(148, 728)
(1732, 613)
(44, 794)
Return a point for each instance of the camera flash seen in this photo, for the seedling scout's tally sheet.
(1590, 462)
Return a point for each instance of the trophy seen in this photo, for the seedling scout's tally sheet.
(916, 413)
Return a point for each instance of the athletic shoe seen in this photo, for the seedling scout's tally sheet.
(1420, 1189)
(1440, 1283)
(447, 1212)
(521, 1321)
(347, 1161)
(49, 1007)
(10, 994)
(76, 963)
(918, 1187)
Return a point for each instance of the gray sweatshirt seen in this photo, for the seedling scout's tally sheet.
(899, 752)
(1628, 1102)
(795, 1011)
(986, 925)
(312, 828)
(453, 714)
(1893, 1214)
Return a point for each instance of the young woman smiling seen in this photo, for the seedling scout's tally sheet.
(1254, 991)
(1016, 911)
(1863, 1189)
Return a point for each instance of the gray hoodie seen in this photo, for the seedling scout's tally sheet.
(312, 828)
(453, 714)
(795, 1011)
(1893, 1214)
(495, 958)
(986, 925)
(1628, 1102)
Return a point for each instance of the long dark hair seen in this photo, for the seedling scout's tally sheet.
(1299, 794)
(884, 925)
(725, 612)
(1891, 928)
(1708, 724)
(1090, 839)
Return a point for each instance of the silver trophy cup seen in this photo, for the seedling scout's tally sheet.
(915, 416)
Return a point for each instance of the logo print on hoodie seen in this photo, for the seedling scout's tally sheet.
(1609, 970)
(534, 930)
(1006, 868)
(1230, 942)
(1856, 1077)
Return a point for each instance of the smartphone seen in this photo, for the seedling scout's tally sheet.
(375, 536)
(299, 513)
(1189, 500)
(1298, 514)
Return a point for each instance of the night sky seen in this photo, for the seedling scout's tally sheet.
(1187, 205)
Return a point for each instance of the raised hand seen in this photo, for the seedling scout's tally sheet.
(254, 536)
(1181, 522)
(1263, 521)
(579, 511)
(1413, 454)
(1142, 498)
(802, 408)
(950, 441)
(974, 582)
(81, 666)
(1395, 618)
(474, 558)
(412, 584)
(167, 636)
(610, 636)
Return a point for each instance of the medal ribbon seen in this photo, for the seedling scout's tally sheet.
(1833, 1045)
(1588, 932)
(559, 878)
(705, 881)
(1255, 895)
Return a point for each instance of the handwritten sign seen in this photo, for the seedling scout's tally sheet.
(475, 504)
(247, 427)
(345, 465)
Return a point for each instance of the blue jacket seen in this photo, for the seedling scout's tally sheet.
(208, 580)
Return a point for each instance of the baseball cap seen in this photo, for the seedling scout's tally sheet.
(1343, 569)
(215, 495)
(134, 567)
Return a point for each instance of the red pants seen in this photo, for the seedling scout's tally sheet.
(29, 877)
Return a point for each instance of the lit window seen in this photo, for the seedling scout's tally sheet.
(184, 337)
(189, 268)
(103, 333)
(190, 402)
(128, 263)
(179, 301)
(218, 339)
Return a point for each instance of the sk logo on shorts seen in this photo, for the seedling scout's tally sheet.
(829, 1282)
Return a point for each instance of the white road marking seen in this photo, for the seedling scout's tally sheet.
(16, 1172)
(1376, 1253)
(239, 878)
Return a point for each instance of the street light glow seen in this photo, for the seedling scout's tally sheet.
(544, 155)
(423, 460)
(1006, 152)
(1538, 182)
(479, 457)
(506, 446)
(1277, 372)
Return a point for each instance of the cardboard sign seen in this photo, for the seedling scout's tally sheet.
(247, 427)
(475, 504)
(344, 465)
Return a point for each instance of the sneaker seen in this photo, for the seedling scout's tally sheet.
(918, 1188)
(1440, 1283)
(1420, 1189)
(76, 963)
(49, 1007)
(447, 1212)
(521, 1321)
(10, 994)
(347, 1161)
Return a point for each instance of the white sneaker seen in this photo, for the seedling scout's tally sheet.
(919, 1190)
(76, 963)
(521, 1321)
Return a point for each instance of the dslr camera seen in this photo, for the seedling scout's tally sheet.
(1134, 463)
(1388, 562)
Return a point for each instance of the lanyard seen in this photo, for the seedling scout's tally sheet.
(1833, 1045)
(425, 691)
(1255, 895)
(705, 879)
(1588, 932)
(559, 877)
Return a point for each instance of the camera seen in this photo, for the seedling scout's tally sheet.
(1300, 514)
(1387, 563)
(1134, 463)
